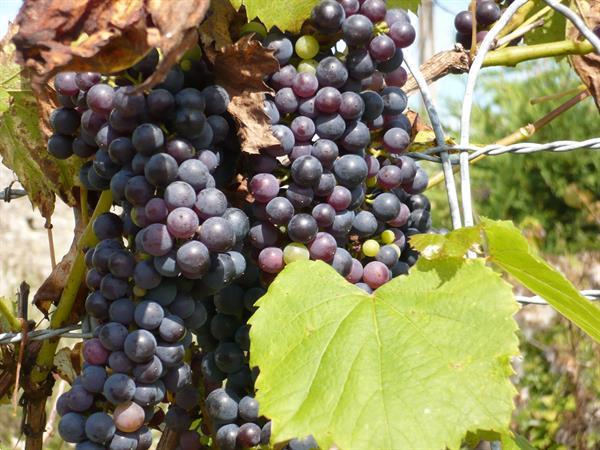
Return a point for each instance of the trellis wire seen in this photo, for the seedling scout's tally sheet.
(69, 333)
(40, 335)
(7, 194)
(441, 140)
(465, 122)
(577, 21)
(522, 148)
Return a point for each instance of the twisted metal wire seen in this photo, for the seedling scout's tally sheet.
(495, 149)
(69, 333)
(40, 335)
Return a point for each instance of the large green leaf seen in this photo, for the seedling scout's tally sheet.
(22, 143)
(416, 365)
(289, 15)
(286, 15)
(509, 250)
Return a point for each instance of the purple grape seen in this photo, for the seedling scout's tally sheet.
(100, 98)
(351, 106)
(323, 247)
(303, 128)
(463, 22)
(264, 187)
(324, 214)
(66, 83)
(156, 239)
(375, 274)
(182, 223)
(328, 15)
(374, 9)
(284, 77)
(403, 34)
(328, 100)
(382, 48)
(487, 13)
(340, 198)
(270, 260)
(356, 273)
(357, 30)
(305, 85)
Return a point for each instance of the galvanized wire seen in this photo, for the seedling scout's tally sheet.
(70, 333)
(465, 121)
(495, 149)
(40, 335)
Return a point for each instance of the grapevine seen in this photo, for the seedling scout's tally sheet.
(191, 230)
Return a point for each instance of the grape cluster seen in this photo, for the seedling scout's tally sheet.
(178, 267)
(486, 13)
(338, 188)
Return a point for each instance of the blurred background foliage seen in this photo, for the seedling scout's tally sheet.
(553, 197)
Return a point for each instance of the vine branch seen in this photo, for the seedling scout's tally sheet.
(76, 275)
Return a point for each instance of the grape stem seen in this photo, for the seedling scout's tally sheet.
(519, 32)
(546, 98)
(520, 18)
(13, 322)
(511, 56)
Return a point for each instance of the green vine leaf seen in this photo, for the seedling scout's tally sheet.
(290, 15)
(509, 250)
(418, 364)
(22, 142)
(553, 29)
(285, 15)
(411, 5)
(452, 245)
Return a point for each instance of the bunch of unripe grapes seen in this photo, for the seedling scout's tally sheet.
(487, 12)
(182, 259)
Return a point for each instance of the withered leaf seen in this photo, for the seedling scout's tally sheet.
(215, 29)
(23, 128)
(174, 32)
(68, 362)
(587, 66)
(241, 68)
(104, 35)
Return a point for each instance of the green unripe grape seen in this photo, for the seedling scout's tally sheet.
(308, 65)
(388, 236)
(295, 252)
(138, 291)
(254, 27)
(307, 47)
(370, 248)
(193, 54)
(372, 182)
(185, 65)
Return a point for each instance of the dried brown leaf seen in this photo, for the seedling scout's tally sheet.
(104, 35)
(51, 289)
(215, 29)
(241, 68)
(23, 129)
(587, 66)
(174, 32)
(65, 362)
(417, 124)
